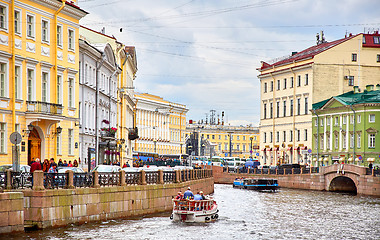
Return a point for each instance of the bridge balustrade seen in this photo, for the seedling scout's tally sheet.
(83, 180)
(169, 176)
(296, 170)
(151, 177)
(3, 180)
(55, 180)
(133, 178)
(109, 179)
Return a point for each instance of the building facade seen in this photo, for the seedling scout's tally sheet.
(39, 89)
(290, 86)
(161, 125)
(346, 128)
(109, 68)
(222, 140)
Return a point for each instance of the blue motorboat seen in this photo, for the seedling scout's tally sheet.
(261, 184)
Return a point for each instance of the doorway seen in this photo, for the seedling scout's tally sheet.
(34, 146)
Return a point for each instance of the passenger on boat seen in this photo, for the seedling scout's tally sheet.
(197, 196)
(179, 196)
(203, 196)
(188, 194)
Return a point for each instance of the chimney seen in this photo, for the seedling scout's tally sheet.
(369, 88)
(103, 31)
(356, 89)
(294, 53)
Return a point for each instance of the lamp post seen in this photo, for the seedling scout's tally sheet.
(189, 149)
(251, 138)
(230, 133)
(155, 143)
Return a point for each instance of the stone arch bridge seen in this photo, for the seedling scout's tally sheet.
(336, 177)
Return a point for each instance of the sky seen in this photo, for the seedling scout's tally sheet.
(205, 53)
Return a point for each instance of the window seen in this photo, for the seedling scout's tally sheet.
(277, 136)
(371, 140)
(372, 118)
(225, 137)
(265, 110)
(208, 136)
(225, 146)
(298, 81)
(265, 87)
(354, 57)
(271, 110)
(59, 37)
(316, 122)
(44, 87)
(3, 18)
(30, 26)
(71, 92)
(17, 22)
(306, 79)
(284, 83)
(284, 108)
(271, 136)
(336, 121)
(243, 147)
(220, 147)
(59, 89)
(71, 38)
(352, 119)
(336, 141)
(315, 142)
(278, 85)
(71, 141)
(298, 135)
(3, 79)
(278, 109)
(328, 121)
(306, 105)
(30, 84)
(45, 31)
(271, 86)
(344, 119)
(237, 137)
(298, 106)
(243, 138)
(328, 142)
(321, 122)
(344, 140)
(213, 136)
(305, 137)
(291, 135)
(238, 147)
(284, 136)
(291, 82)
(18, 127)
(321, 142)
(291, 107)
(351, 81)
(265, 137)
(59, 144)
(18, 84)
(3, 137)
(378, 58)
(255, 138)
(359, 139)
(220, 137)
(376, 40)
(352, 140)
(359, 118)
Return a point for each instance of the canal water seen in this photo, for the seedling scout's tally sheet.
(244, 214)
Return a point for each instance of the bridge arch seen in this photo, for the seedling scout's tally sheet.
(342, 184)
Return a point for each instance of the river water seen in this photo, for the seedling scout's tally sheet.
(244, 214)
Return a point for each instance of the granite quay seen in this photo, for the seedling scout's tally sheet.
(336, 177)
(53, 200)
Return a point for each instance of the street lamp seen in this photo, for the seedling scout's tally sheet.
(251, 138)
(155, 143)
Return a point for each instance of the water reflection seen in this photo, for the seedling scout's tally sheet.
(287, 214)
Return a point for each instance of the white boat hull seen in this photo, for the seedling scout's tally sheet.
(195, 211)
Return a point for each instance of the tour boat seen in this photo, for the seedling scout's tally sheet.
(256, 184)
(194, 211)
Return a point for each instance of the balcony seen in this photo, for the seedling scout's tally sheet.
(44, 107)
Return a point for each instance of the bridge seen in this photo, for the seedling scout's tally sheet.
(336, 177)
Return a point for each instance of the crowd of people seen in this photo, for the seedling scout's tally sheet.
(50, 166)
(188, 195)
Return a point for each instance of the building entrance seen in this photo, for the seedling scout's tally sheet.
(34, 145)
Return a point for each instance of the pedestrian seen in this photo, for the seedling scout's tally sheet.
(203, 196)
(65, 163)
(35, 166)
(197, 196)
(370, 166)
(46, 165)
(70, 164)
(60, 163)
(179, 196)
(75, 164)
(53, 168)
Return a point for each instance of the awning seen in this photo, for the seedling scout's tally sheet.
(370, 159)
(342, 159)
(320, 159)
(290, 149)
(349, 160)
(325, 159)
(304, 148)
(314, 159)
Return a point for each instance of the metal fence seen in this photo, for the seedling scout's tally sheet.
(109, 179)
(83, 180)
(132, 178)
(21, 180)
(55, 180)
(151, 177)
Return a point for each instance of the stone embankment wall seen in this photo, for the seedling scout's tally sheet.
(52, 208)
(366, 184)
(11, 212)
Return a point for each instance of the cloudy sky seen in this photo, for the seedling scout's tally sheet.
(204, 53)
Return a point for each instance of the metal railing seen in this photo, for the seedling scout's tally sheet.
(44, 107)
(3, 180)
(132, 178)
(151, 177)
(376, 172)
(109, 179)
(83, 180)
(21, 180)
(55, 180)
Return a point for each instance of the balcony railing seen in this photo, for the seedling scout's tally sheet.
(44, 107)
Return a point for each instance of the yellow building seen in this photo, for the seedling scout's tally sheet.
(290, 86)
(39, 89)
(161, 125)
(222, 140)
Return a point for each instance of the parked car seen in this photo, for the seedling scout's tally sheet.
(74, 169)
(107, 168)
(23, 168)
